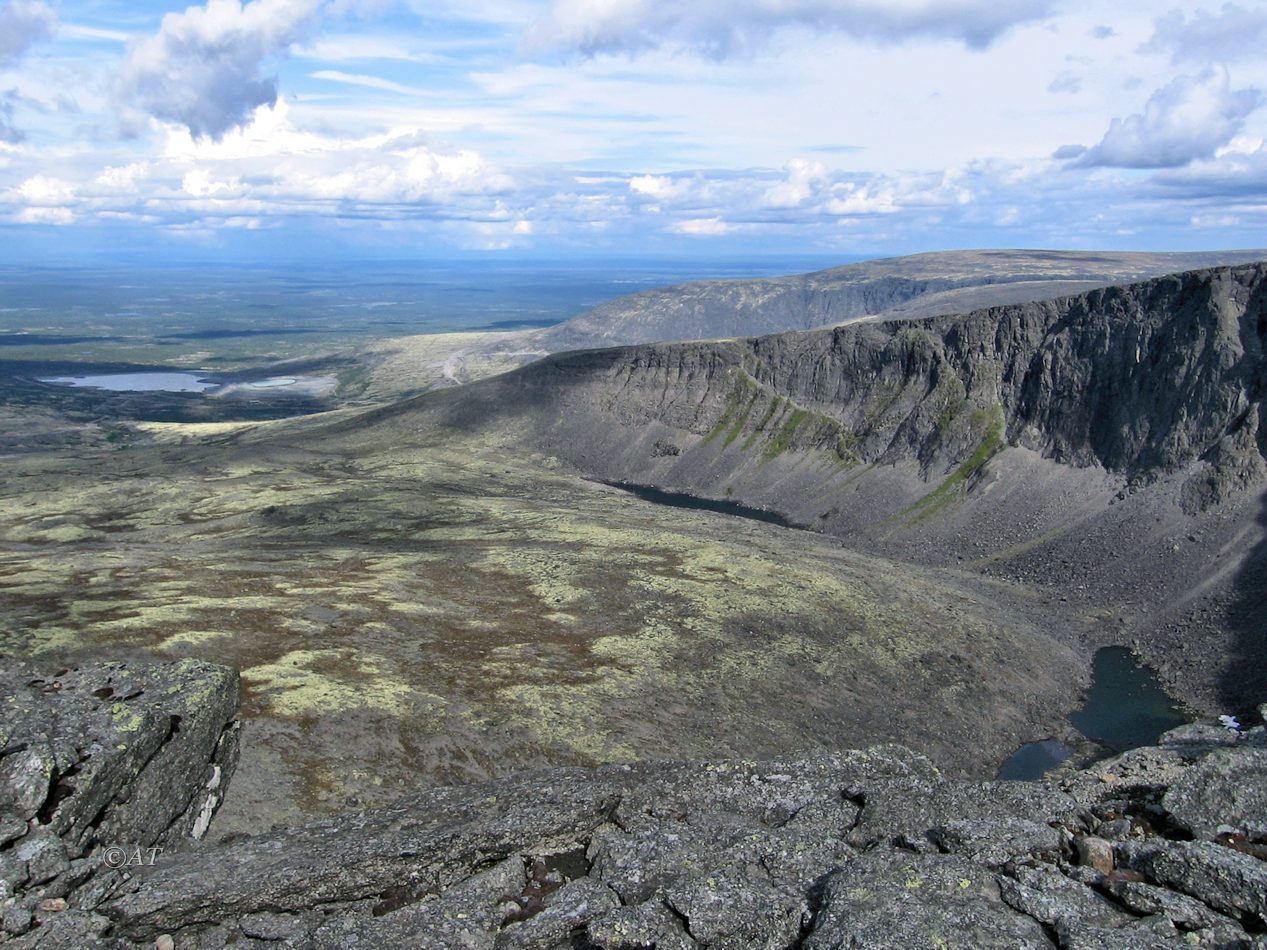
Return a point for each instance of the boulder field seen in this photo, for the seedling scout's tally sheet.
(110, 776)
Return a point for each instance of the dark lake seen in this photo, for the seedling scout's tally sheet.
(1125, 709)
(694, 503)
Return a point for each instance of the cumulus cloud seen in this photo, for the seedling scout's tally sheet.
(1236, 174)
(205, 67)
(803, 181)
(1188, 119)
(719, 28)
(659, 187)
(1234, 32)
(22, 24)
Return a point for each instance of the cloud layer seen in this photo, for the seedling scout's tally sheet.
(1233, 33)
(22, 24)
(722, 28)
(849, 125)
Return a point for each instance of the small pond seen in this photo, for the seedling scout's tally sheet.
(1126, 708)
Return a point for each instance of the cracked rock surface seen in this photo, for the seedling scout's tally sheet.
(1158, 847)
(100, 767)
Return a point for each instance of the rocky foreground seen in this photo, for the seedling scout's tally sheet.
(110, 775)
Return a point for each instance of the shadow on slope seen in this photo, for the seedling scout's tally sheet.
(1245, 685)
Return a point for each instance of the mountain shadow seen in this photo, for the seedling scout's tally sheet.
(1245, 685)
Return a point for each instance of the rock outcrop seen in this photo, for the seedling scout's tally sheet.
(1158, 847)
(104, 767)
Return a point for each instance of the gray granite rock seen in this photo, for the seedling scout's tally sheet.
(1225, 879)
(891, 899)
(644, 925)
(1047, 895)
(426, 843)
(1178, 908)
(465, 917)
(102, 761)
(870, 848)
(572, 907)
(1225, 790)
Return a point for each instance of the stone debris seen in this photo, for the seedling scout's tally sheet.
(1159, 847)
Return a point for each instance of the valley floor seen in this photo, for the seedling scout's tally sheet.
(445, 609)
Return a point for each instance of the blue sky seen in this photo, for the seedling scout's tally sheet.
(313, 128)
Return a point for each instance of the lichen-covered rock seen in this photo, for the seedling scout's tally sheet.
(423, 844)
(891, 899)
(1227, 790)
(644, 925)
(106, 760)
(465, 917)
(914, 812)
(1225, 879)
(997, 842)
(1047, 895)
(1179, 909)
(571, 908)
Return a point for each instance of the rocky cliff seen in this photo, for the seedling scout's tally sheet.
(1138, 380)
(1162, 846)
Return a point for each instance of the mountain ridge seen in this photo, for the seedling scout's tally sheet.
(1037, 442)
(752, 307)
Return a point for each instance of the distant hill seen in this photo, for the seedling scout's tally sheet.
(918, 285)
(921, 285)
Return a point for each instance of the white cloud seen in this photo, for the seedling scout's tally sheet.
(719, 28)
(702, 227)
(850, 198)
(39, 215)
(367, 82)
(79, 31)
(44, 191)
(803, 180)
(204, 67)
(21, 25)
(659, 187)
(1188, 119)
(347, 49)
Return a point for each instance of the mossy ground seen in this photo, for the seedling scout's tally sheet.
(415, 606)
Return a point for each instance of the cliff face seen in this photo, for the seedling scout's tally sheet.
(1138, 380)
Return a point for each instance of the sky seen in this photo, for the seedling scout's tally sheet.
(330, 129)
